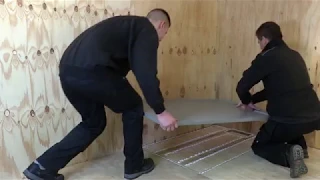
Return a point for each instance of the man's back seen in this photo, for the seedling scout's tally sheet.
(107, 44)
(288, 87)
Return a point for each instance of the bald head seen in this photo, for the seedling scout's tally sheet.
(160, 19)
(159, 15)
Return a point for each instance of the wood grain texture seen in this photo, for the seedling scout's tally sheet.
(205, 52)
(34, 112)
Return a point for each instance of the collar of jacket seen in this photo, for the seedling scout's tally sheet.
(272, 44)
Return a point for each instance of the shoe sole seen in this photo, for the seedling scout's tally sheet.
(298, 166)
(136, 175)
(31, 176)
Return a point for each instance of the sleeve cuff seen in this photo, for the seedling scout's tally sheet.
(158, 108)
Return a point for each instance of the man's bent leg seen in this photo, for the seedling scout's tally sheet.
(135, 164)
(271, 144)
(127, 101)
(265, 148)
(77, 140)
(115, 92)
(132, 131)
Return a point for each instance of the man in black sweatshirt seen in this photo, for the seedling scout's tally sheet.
(93, 72)
(293, 105)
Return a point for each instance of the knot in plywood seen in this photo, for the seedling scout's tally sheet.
(88, 9)
(32, 113)
(44, 6)
(7, 113)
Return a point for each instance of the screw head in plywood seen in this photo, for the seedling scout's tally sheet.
(88, 9)
(32, 113)
(47, 109)
(184, 50)
(30, 7)
(6, 113)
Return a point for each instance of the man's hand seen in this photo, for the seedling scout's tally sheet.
(167, 121)
(250, 107)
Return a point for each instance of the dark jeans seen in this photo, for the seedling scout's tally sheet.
(89, 92)
(274, 140)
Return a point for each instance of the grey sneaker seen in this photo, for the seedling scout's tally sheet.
(148, 166)
(296, 161)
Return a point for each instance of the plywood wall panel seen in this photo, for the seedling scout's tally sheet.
(204, 54)
(34, 113)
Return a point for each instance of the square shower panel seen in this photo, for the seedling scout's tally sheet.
(204, 149)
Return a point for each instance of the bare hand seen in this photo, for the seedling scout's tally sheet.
(167, 121)
(250, 107)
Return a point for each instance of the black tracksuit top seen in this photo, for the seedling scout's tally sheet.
(287, 85)
(121, 43)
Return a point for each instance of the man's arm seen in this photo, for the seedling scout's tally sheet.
(256, 72)
(143, 62)
(259, 97)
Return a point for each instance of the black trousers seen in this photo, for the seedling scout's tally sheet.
(274, 140)
(89, 92)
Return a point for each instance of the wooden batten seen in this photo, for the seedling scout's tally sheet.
(204, 54)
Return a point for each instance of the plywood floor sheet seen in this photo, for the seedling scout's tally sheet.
(214, 152)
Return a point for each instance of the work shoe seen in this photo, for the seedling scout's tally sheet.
(148, 166)
(33, 172)
(296, 162)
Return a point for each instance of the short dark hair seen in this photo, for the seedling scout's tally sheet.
(269, 30)
(161, 11)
